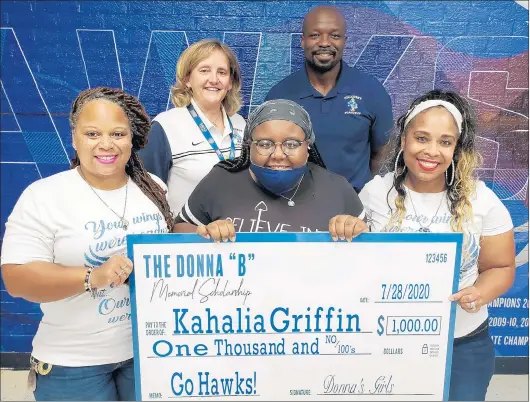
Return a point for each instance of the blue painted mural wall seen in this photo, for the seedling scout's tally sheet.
(52, 50)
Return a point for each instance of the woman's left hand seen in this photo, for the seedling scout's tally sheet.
(469, 299)
(346, 227)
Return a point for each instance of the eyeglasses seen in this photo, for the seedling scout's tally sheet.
(267, 147)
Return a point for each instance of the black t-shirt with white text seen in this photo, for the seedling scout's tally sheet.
(238, 198)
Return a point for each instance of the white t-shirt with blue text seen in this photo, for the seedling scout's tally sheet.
(60, 220)
(490, 218)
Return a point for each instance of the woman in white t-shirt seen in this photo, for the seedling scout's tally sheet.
(432, 188)
(64, 247)
(204, 128)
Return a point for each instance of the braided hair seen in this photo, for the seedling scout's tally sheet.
(140, 125)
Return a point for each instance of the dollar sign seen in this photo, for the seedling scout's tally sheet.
(381, 328)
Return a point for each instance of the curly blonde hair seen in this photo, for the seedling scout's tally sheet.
(466, 160)
(181, 95)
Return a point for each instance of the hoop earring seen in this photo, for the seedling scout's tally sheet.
(450, 182)
(396, 174)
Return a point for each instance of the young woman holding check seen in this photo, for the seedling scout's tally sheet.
(279, 183)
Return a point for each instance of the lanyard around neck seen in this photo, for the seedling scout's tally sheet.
(208, 135)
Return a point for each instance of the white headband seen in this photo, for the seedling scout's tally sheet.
(420, 107)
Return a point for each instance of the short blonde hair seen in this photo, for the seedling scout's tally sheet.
(181, 95)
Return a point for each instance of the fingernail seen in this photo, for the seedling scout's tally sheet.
(342, 238)
(335, 238)
(233, 238)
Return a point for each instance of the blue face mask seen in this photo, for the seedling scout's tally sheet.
(278, 181)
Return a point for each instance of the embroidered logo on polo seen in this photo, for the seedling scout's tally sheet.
(237, 137)
(352, 104)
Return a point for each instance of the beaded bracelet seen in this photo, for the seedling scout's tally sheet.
(88, 286)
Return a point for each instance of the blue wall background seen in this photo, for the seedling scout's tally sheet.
(51, 50)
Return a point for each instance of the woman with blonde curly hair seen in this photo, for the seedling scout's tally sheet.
(432, 188)
(204, 128)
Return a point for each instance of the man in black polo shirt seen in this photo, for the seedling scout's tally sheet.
(351, 111)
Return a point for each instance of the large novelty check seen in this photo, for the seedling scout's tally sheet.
(294, 316)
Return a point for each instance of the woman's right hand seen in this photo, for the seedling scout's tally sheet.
(346, 227)
(114, 271)
(221, 230)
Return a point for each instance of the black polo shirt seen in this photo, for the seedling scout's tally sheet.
(237, 197)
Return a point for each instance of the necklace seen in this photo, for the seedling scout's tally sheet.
(425, 229)
(124, 222)
(218, 122)
(290, 201)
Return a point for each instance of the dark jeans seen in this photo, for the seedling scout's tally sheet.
(472, 368)
(108, 382)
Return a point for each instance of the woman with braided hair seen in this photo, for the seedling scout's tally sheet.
(278, 184)
(64, 247)
(432, 188)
